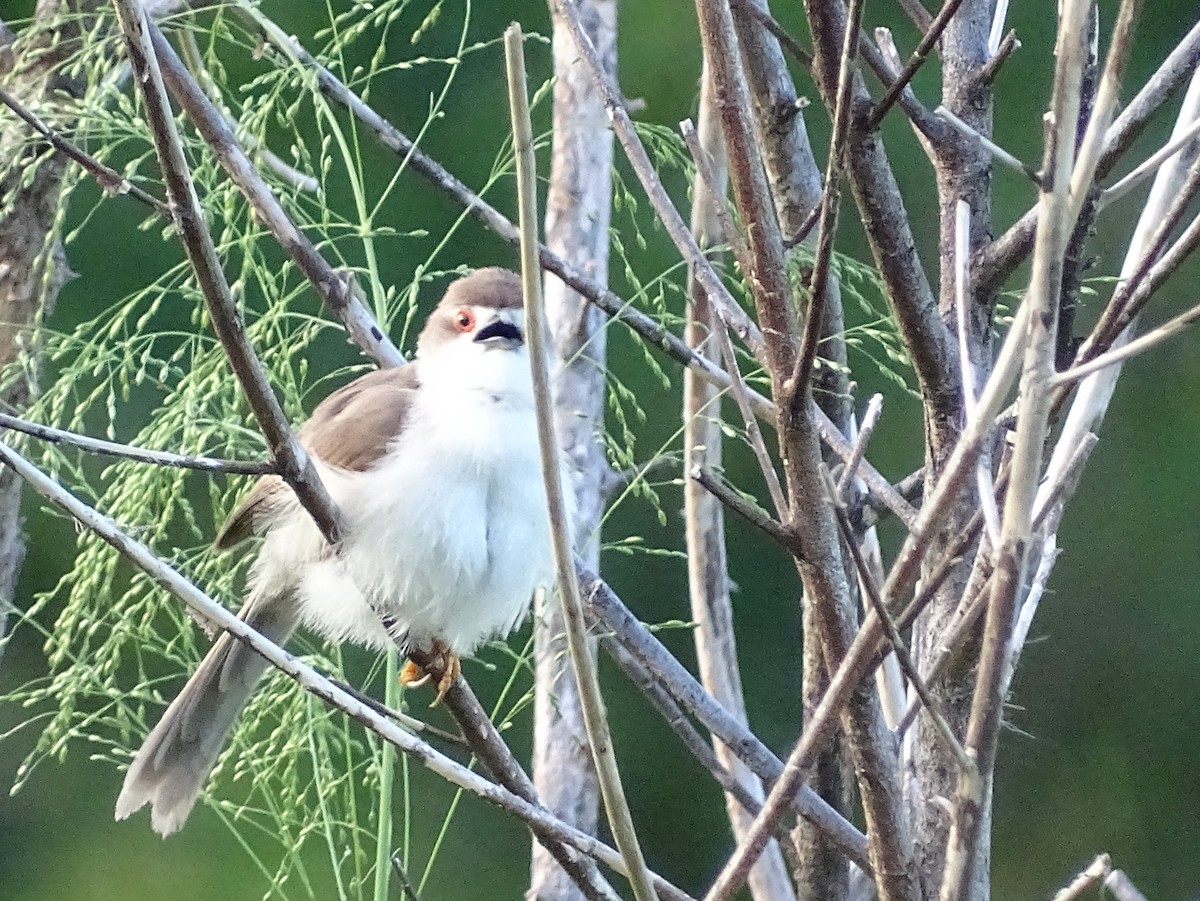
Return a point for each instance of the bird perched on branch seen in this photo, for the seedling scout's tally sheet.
(436, 471)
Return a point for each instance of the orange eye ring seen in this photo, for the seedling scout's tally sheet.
(464, 320)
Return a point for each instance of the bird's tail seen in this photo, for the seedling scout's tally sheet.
(173, 763)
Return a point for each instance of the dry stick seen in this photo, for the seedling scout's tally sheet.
(1104, 107)
(336, 289)
(1089, 879)
(1122, 887)
(860, 661)
(704, 168)
(865, 430)
(662, 701)
(653, 333)
(827, 228)
(138, 454)
(614, 616)
(753, 432)
(489, 747)
(308, 678)
(891, 55)
(769, 22)
(991, 69)
(820, 565)
(972, 793)
(897, 643)
(732, 314)
(617, 807)
(932, 35)
(772, 528)
(295, 466)
(999, 260)
(889, 233)
(578, 212)
(997, 152)
(707, 562)
(1149, 340)
(110, 180)
(1150, 165)
(1121, 310)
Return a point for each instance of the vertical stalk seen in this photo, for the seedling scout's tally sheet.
(619, 817)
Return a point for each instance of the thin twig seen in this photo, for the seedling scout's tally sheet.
(1140, 345)
(110, 180)
(1150, 165)
(732, 314)
(295, 466)
(138, 454)
(1122, 887)
(971, 796)
(336, 289)
(1089, 879)
(989, 145)
(930, 38)
(1000, 259)
(899, 648)
(772, 528)
(704, 168)
(613, 615)
(307, 677)
(991, 69)
(1104, 107)
(769, 22)
(620, 818)
(491, 750)
(865, 429)
(827, 229)
(753, 433)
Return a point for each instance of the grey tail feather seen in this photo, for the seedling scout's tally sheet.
(173, 763)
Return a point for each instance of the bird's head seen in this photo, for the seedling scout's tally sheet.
(476, 335)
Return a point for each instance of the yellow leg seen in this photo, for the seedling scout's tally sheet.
(440, 658)
(452, 666)
(412, 676)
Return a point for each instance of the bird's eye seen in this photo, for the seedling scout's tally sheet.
(464, 320)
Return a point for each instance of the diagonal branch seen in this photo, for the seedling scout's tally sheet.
(295, 466)
(731, 314)
(335, 288)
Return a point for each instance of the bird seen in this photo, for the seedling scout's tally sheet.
(436, 471)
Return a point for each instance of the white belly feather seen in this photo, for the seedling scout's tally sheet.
(448, 533)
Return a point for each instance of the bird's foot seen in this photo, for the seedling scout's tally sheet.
(441, 658)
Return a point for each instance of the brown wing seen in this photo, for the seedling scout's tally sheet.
(350, 429)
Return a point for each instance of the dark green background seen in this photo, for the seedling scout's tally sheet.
(1106, 702)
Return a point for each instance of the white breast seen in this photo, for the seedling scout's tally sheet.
(448, 532)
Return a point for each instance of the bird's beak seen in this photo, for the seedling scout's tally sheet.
(502, 331)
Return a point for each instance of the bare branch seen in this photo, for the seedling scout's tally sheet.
(295, 466)
(613, 615)
(129, 452)
(928, 40)
(577, 217)
(109, 179)
(335, 288)
(708, 569)
(732, 314)
(972, 794)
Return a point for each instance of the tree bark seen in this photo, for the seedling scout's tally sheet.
(578, 208)
(33, 265)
